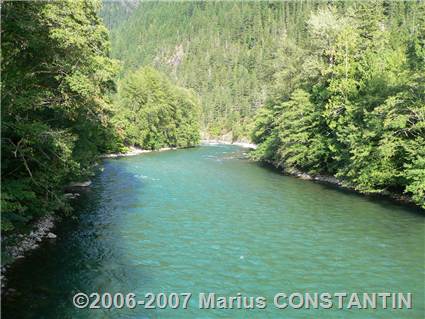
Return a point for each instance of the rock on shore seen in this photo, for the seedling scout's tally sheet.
(402, 198)
(131, 152)
(25, 243)
(135, 151)
(80, 184)
(31, 241)
(239, 143)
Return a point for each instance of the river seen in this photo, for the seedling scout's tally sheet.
(209, 220)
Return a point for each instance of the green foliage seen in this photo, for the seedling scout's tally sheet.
(221, 50)
(154, 113)
(56, 79)
(356, 105)
(301, 145)
(114, 13)
(415, 175)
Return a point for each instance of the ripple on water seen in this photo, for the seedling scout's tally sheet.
(207, 220)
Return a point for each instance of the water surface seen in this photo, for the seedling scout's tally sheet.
(209, 220)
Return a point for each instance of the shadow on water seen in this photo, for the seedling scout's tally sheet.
(47, 278)
(381, 200)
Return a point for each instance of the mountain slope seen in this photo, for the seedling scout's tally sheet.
(224, 51)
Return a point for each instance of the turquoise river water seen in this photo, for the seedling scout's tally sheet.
(207, 220)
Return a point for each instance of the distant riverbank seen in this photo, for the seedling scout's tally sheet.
(132, 151)
(238, 143)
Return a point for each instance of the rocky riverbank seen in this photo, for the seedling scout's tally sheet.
(405, 199)
(228, 138)
(41, 230)
(132, 151)
(218, 141)
(17, 246)
(26, 242)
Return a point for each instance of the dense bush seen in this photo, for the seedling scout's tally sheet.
(153, 113)
(56, 79)
(357, 107)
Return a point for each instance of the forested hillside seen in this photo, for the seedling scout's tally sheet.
(225, 51)
(356, 107)
(114, 13)
(335, 88)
